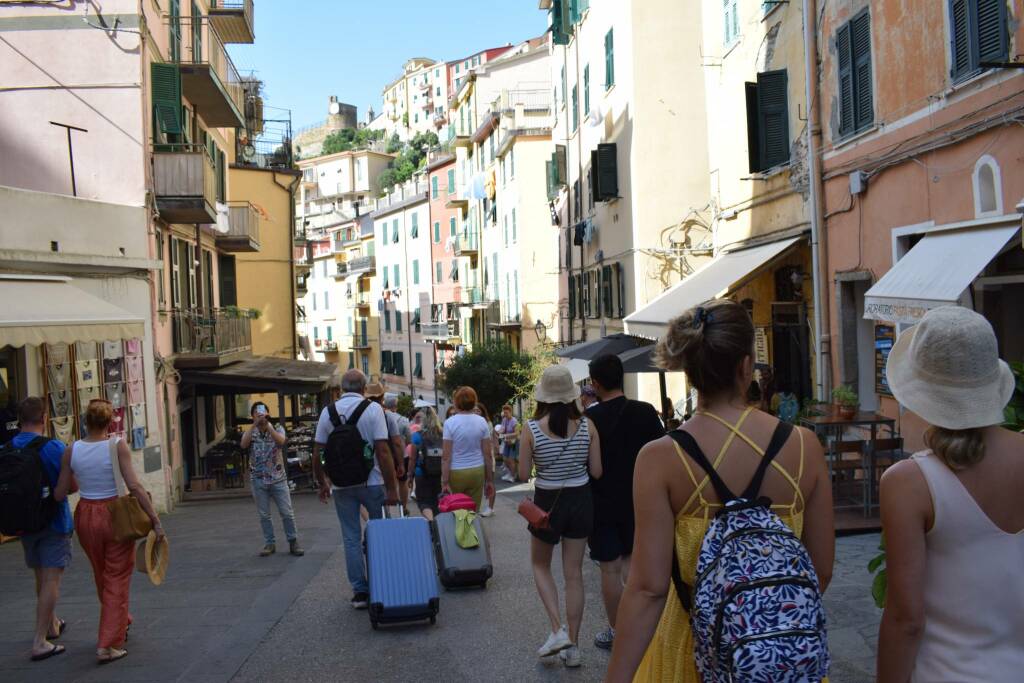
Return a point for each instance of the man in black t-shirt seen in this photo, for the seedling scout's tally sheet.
(624, 426)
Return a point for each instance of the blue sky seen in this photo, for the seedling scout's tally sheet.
(307, 50)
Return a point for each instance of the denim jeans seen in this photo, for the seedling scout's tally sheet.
(278, 491)
(346, 503)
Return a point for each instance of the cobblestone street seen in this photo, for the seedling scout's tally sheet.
(224, 614)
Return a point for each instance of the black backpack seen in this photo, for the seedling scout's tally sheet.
(26, 502)
(348, 459)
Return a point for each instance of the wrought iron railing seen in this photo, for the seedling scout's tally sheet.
(211, 331)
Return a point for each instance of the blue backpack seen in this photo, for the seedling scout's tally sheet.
(755, 607)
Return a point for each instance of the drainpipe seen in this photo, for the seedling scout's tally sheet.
(291, 257)
(819, 250)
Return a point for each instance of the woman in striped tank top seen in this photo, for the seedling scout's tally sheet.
(566, 452)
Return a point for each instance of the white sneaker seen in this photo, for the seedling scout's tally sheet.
(508, 477)
(556, 642)
(486, 510)
(570, 656)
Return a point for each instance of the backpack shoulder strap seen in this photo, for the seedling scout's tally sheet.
(37, 443)
(779, 437)
(332, 412)
(358, 412)
(689, 444)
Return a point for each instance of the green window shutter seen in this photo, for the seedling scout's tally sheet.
(550, 172)
(316, 332)
(330, 333)
(222, 181)
(621, 280)
(845, 63)
(384, 233)
(564, 86)
(451, 225)
(609, 59)
(606, 171)
(773, 118)
(438, 275)
(416, 271)
(513, 225)
(437, 231)
(561, 165)
(860, 38)
(575, 107)
(385, 361)
(419, 365)
(415, 232)
(351, 360)
(753, 129)
(451, 181)
(586, 89)
(166, 90)
(991, 30)
(387, 320)
(397, 280)
(960, 37)
(558, 35)
(454, 275)
(398, 320)
(394, 231)
(572, 297)
(433, 187)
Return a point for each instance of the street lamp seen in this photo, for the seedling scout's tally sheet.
(542, 331)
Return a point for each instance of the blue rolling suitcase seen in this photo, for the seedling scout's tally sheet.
(402, 572)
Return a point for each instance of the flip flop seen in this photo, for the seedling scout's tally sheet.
(115, 655)
(52, 652)
(60, 630)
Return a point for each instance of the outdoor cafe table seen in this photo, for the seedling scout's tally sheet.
(825, 426)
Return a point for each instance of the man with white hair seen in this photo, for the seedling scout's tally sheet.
(380, 486)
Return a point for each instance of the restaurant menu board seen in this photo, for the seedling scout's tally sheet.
(885, 337)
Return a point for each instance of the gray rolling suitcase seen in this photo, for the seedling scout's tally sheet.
(460, 567)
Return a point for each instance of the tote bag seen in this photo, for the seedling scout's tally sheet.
(129, 520)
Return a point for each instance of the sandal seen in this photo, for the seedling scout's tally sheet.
(61, 627)
(52, 652)
(112, 655)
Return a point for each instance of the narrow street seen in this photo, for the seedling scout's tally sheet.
(225, 614)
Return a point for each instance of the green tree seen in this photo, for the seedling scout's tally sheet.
(524, 374)
(404, 406)
(350, 138)
(394, 144)
(491, 370)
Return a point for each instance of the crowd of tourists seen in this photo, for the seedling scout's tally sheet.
(714, 537)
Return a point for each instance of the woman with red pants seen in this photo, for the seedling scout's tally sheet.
(91, 461)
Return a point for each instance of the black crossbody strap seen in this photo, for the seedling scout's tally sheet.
(332, 413)
(358, 412)
(779, 438)
(689, 445)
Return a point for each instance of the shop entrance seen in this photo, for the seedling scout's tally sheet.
(791, 349)
(186, 422)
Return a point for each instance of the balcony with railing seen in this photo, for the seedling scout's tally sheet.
(466, 244)
(209, 79)
(358, 298)
(184, 183)
(440, 331)
(473, 296)
(361, 341)
(233, 19)
(243, 228)
(210, 337)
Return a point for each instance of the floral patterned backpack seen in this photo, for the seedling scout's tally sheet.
(755, 609)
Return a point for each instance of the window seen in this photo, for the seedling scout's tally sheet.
(438, 274)
(316, 332)
(455, 270)
(451, 180)
(512, 163)
(853, 45)
(621, 281)
(160, 274)
(767, 121)
(351, 359)
(572, 297)
(398, 320)
(397, 280)
(418, 372)
(384, 283)
(385, 361)
(433, 187)
(397, 363)
(330, 333)
(324, 267)
(513, 225)
(606, 291)
(505, 221)
(451, 225)
(166, 94)
(585, 295)
(314, 301)
(563, 82)
(730, 21)
(586, 89)
(978, 34)
(575, 107)
(175, 30)
(394, 231)
(437, 232)
(988, 195)
(415, 232)
(327, 299)
(515, 293)
(387, 320)
(609, 59)
(384, 233)
(416, 271)
(438, 91)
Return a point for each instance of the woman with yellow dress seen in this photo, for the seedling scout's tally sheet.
(714, 345)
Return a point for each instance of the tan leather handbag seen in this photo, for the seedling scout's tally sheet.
(129, 520)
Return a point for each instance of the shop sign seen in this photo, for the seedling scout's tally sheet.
(885, 337)
(761, 346)
(908, 311)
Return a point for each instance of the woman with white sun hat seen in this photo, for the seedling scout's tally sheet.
(953, 522)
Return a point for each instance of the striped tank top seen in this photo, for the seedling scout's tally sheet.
(561, 463)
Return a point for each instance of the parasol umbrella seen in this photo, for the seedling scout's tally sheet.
(614, 343)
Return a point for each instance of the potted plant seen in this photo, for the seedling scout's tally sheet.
(846, 401)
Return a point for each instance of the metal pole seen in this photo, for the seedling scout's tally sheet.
(71, 154)
(664, 395)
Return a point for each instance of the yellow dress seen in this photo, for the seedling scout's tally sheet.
(669, 657)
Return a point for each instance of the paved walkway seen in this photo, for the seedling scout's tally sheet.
(224, 614)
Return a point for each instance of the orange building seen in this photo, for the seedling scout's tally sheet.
(923, 176)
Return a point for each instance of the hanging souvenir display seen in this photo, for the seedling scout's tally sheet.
(58, 376)
(61, 403)
(112, 349)
(133, 347)
(133, 368)
(136, 393)
(57, 354)
(85, 351)
(114, 392)
(86, 374)
(113, 370)
(64, 429)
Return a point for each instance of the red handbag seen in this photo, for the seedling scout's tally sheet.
(537, 517)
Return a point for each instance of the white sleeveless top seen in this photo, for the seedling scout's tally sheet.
(90, 462)
(973, 589)
(561, 463)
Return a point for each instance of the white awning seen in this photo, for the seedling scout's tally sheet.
(48, 310)
(712, 280)
(934, 273)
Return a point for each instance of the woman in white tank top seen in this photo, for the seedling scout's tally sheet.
(954, 526)
(91, 462)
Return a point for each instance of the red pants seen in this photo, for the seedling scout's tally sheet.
(112, 566)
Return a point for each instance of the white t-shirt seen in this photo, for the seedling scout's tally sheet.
(372, 427)
(466, 431)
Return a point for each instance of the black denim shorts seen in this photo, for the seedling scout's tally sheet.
(572, 516)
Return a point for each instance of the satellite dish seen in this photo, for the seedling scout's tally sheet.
(334, 108)
(248, 152)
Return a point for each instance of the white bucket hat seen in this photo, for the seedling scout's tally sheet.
(556, 386)
(947, 370)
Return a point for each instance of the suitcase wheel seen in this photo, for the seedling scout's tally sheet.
(433, 620)
(374, 624)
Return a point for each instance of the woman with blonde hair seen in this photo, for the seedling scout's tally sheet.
(465, 467)
(427, 450)
(714, 345)
(953, 521)
(91, 462)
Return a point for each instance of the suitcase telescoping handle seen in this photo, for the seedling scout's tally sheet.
(384, 511)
